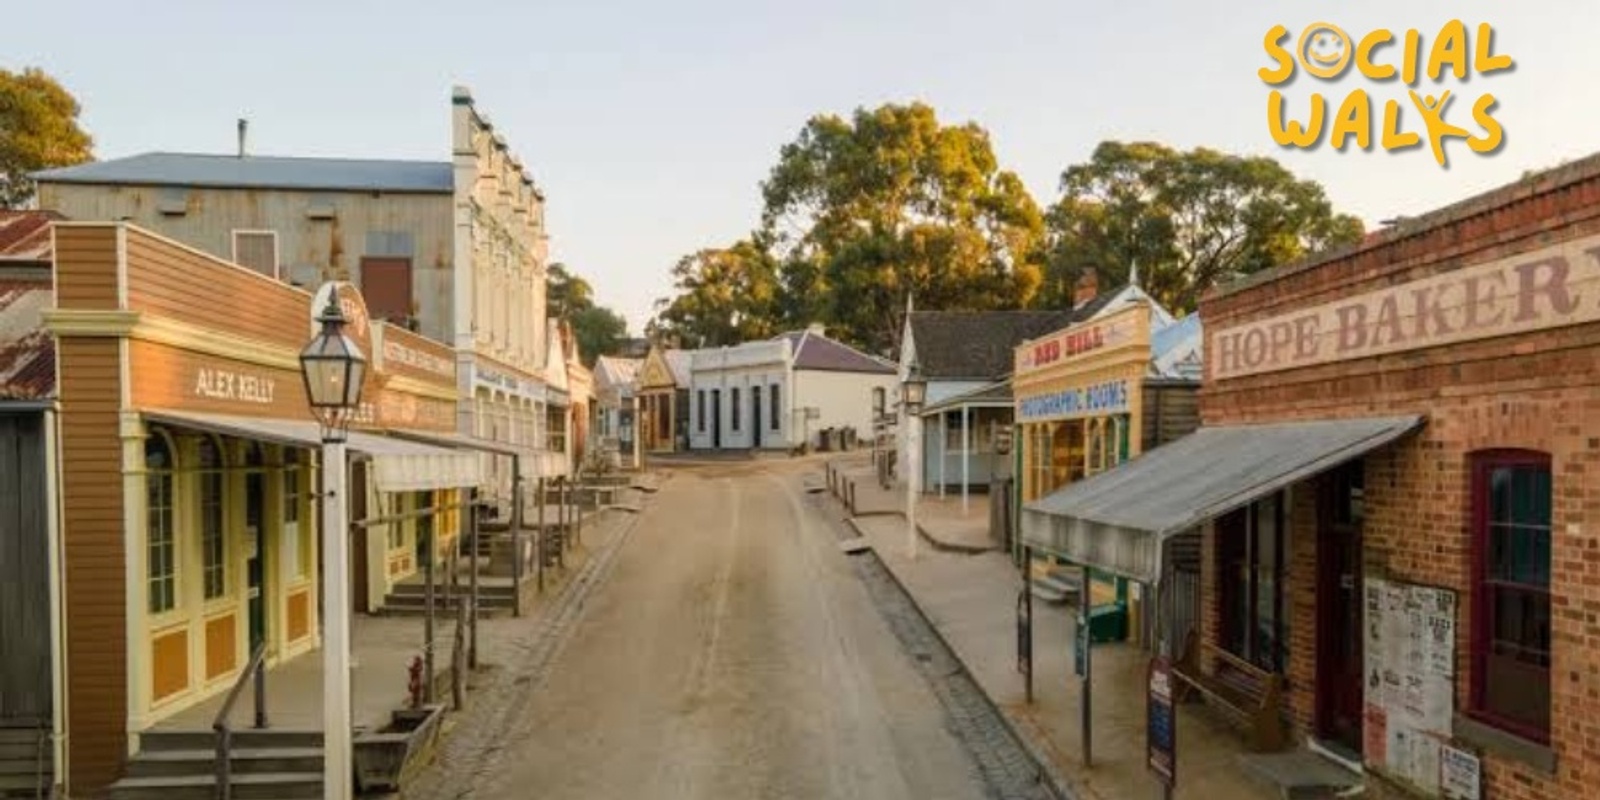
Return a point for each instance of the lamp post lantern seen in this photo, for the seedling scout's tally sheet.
(334, 369)
(913, 391)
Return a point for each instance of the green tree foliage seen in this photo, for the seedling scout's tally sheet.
(599, 330)
(858, 212)
(724, 296)
(38, 130)
(1187, 219)
(566, 293)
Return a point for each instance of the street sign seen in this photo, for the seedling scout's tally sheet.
(1161, 732)
(813, 413)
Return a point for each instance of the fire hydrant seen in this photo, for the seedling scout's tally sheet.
(414, 685)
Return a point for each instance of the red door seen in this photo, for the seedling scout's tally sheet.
(1339, 639)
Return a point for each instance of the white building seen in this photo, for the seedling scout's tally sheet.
(739, 397)
(775, 394)
(833, 384)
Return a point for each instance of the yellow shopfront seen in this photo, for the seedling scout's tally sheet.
(1079, 399)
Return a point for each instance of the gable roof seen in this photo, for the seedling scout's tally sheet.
(814, 351)
(25, 235)
(261, 172)
(977, 345)
(614, 372)
(681, 362)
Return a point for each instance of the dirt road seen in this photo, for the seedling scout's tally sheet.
(732, 653)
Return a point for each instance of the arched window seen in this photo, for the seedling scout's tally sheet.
(161, 568)
(213, 540)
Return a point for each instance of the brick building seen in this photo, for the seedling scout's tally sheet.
(1395, 496)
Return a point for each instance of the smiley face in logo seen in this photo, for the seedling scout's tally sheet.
(1324, 50)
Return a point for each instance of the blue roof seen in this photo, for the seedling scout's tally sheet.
(260, 172)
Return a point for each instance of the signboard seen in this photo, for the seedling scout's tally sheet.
(397, 353)
(217, 383)
(813, 413)
(1460, 775)
(1084, 339)
(1161, 726)
(1546, 288)
(1410, 680)
(358, 324)
(1108, 397)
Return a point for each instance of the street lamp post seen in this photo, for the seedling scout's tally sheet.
(913, 390)
(334, 369)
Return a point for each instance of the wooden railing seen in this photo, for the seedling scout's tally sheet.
(223, 728)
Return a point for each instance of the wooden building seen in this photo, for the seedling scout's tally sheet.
(1096, 394)
(189, 464)
(663, 387)
(453, 248)
(30, 523)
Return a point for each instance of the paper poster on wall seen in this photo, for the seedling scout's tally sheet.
(1410, 680)
(1460, 775)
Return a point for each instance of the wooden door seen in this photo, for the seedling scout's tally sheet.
(1339, 602)
(25, 663)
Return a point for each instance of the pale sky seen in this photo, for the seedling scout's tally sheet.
(650, 124)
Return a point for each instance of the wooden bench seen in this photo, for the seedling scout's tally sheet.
(1242, 690)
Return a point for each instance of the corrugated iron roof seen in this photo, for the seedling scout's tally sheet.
(260, 172)
(25, 235)
(681, 362)
(27, 350)
(1116, 520)
(995, 395)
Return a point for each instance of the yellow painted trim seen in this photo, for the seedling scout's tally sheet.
(163, 330)
(78, 322)
(401, 383)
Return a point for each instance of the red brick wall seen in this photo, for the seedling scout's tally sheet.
(1536, 391)
(1300, 604)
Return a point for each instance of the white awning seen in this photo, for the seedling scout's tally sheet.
(397, 465)
(533, 463)
(1116, 520)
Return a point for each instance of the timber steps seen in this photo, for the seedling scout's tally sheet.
(275, 764)
(26, 757)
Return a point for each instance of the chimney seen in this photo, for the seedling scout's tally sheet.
(1085, 290)
(244, 128)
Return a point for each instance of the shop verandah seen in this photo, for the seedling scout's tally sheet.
(1250, 536)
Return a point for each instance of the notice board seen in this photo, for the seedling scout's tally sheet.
(1410, 683)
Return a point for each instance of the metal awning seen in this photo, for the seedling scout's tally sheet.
(1116, 520)
(533, 463)
(994, 395)
(398, 465)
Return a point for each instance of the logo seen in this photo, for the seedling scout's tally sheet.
(1324, 51)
